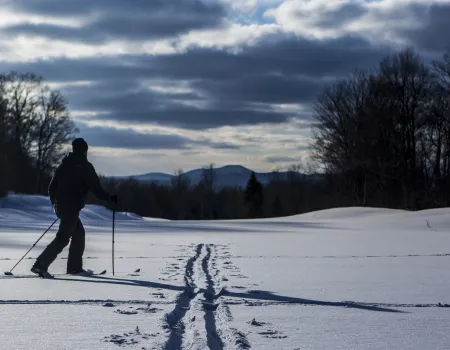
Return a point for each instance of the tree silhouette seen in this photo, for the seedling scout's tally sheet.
(253, 196)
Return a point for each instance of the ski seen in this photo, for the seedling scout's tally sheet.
(91, 273)
(50, 276)
(88, 273)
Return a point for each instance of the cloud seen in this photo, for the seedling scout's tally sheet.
(82, 8)
(220, 87)
(278, 54)
(304, 148)
(433, 33)
(320, 19)
(263, 88)
(219, 145)
(196, 118)
(110, 137)
(425, 23)
(282, 159)
(101, 21)
(133, 139)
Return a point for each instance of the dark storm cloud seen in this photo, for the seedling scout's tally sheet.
(99, 136)
(342, 15)
(193, 118)
(106, 20)
(123, 97)
(280, 55)
(433, 36)
(263, 88)
(126, 103)
(82, 8)
(278, 69)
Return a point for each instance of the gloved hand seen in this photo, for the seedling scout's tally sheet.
(114, 199)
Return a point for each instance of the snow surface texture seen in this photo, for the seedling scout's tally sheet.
(348, 278)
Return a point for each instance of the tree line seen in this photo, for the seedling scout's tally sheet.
(35, 127)
(381, 138)
(290, 194)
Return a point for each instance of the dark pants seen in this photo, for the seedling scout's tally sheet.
(69, 227)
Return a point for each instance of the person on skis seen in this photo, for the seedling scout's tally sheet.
(71, 182)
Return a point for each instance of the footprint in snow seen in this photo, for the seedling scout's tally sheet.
(272, 334)
(125, 312)
(159, 295)
(131, 338)
(256, 323)
(149, 309)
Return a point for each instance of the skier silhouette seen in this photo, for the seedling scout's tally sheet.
(72, 181)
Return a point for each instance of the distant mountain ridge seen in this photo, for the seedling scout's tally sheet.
(225, 176)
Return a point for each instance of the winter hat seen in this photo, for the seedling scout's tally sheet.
(79, 146)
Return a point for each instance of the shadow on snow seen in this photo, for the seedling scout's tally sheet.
(250, 295)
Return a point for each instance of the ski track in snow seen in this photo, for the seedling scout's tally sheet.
(174, 320)
(214, 340)
(201, 316)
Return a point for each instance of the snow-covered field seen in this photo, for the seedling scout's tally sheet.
(350, 278)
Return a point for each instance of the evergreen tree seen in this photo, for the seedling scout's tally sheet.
(254, 196)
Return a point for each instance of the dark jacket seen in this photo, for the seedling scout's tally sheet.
(72, 181)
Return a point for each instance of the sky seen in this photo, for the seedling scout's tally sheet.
(161, 85)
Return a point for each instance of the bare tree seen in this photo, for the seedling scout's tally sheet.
(180, 187)
(21, 91)
(4, 166)
(53, 130)
(441, 69)
(339, 140)
(37, 123)
(410, 82)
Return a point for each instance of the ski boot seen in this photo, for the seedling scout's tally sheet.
(39, 270)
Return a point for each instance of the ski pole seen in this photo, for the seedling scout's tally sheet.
(113, 221)
(9, 273)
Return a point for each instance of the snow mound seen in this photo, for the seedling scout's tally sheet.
(347, 213)
(379, 218)
(19, 207)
